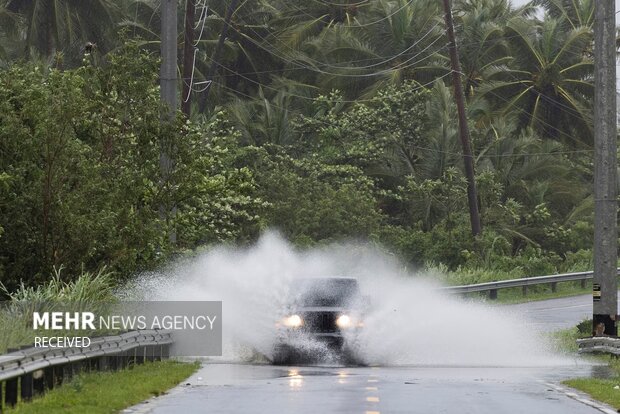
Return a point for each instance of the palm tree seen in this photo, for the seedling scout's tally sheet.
(441, 149)
(64, 26)
(355, 47)
(533, 173)
(549, 81)
(573, 13)
(8, 32)
(263, 121)
(482, 45)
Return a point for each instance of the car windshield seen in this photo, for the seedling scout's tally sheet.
(329, 292)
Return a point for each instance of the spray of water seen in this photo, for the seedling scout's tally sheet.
(410, 322)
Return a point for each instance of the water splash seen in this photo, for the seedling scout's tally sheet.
(410, 321)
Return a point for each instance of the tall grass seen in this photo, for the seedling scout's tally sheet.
(88, 291)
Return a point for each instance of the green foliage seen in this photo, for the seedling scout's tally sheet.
(87, 291)
(81, 181)
(603, 390)
(217, 200)
(310, 201)
(324, 121)
(63, 27)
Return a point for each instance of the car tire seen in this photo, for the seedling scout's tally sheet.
(282, 356)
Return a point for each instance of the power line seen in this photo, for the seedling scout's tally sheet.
(315, 99)
(294, 62)
(408, 3)
(252, 98)
(305, 67)
(292, 59)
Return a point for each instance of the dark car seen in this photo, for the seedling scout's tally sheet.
(323, 320)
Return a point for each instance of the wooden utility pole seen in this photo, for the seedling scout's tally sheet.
(468, 158)
(605, 285)
(232, 6)
(168, 70)
(168, 85)
(188, 57)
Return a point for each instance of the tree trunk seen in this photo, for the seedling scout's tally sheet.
(216, 54)
(188, 58)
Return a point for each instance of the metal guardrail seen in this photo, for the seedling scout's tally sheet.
(599, 345)
(33, 370)
(493, 287)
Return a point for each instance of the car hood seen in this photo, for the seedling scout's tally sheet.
(321, 309)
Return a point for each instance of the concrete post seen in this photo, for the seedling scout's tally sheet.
(605, 285)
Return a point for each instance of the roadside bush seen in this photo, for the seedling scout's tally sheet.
(310, 201)
(80, 174)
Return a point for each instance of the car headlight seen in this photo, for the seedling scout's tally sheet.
(344, 321)
(293, 321)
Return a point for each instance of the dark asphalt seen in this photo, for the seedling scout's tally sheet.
(238, 388)
(556, 314)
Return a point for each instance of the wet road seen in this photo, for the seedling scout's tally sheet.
(557, 313)
(238, 388)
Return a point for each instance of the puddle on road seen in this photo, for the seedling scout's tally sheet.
(311, 373)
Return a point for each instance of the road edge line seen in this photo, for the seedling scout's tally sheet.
(582, 398)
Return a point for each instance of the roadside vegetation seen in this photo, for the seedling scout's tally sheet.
(566, 339)
(107, 392)
(92, 292)
(606, 390)
(325, 122)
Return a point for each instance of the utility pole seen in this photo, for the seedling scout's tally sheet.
(468, 158)
(168, 86)
(188, 57)
(168, 74)
(232, 6)
(605, 285)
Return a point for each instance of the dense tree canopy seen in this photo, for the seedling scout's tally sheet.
(326, 120)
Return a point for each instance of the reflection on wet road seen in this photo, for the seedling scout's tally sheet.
(230, 388)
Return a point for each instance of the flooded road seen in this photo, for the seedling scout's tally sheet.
(230, 388)
(247, 388)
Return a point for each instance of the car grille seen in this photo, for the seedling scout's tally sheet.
(320, 322)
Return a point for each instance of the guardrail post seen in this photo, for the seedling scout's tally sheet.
(76, 368)
(10, 397)
(126, 358)
(140, 354)
(59, 376)
(493, 294)
(120, 360)
(554, 286)
(27, 387)
(131, 357)
(67, 372)
(103, 363)
(93, 364)
(583, 283)
(524, 289)
(48, 376)
(165, 352)
(110, 363)
(38, 382)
